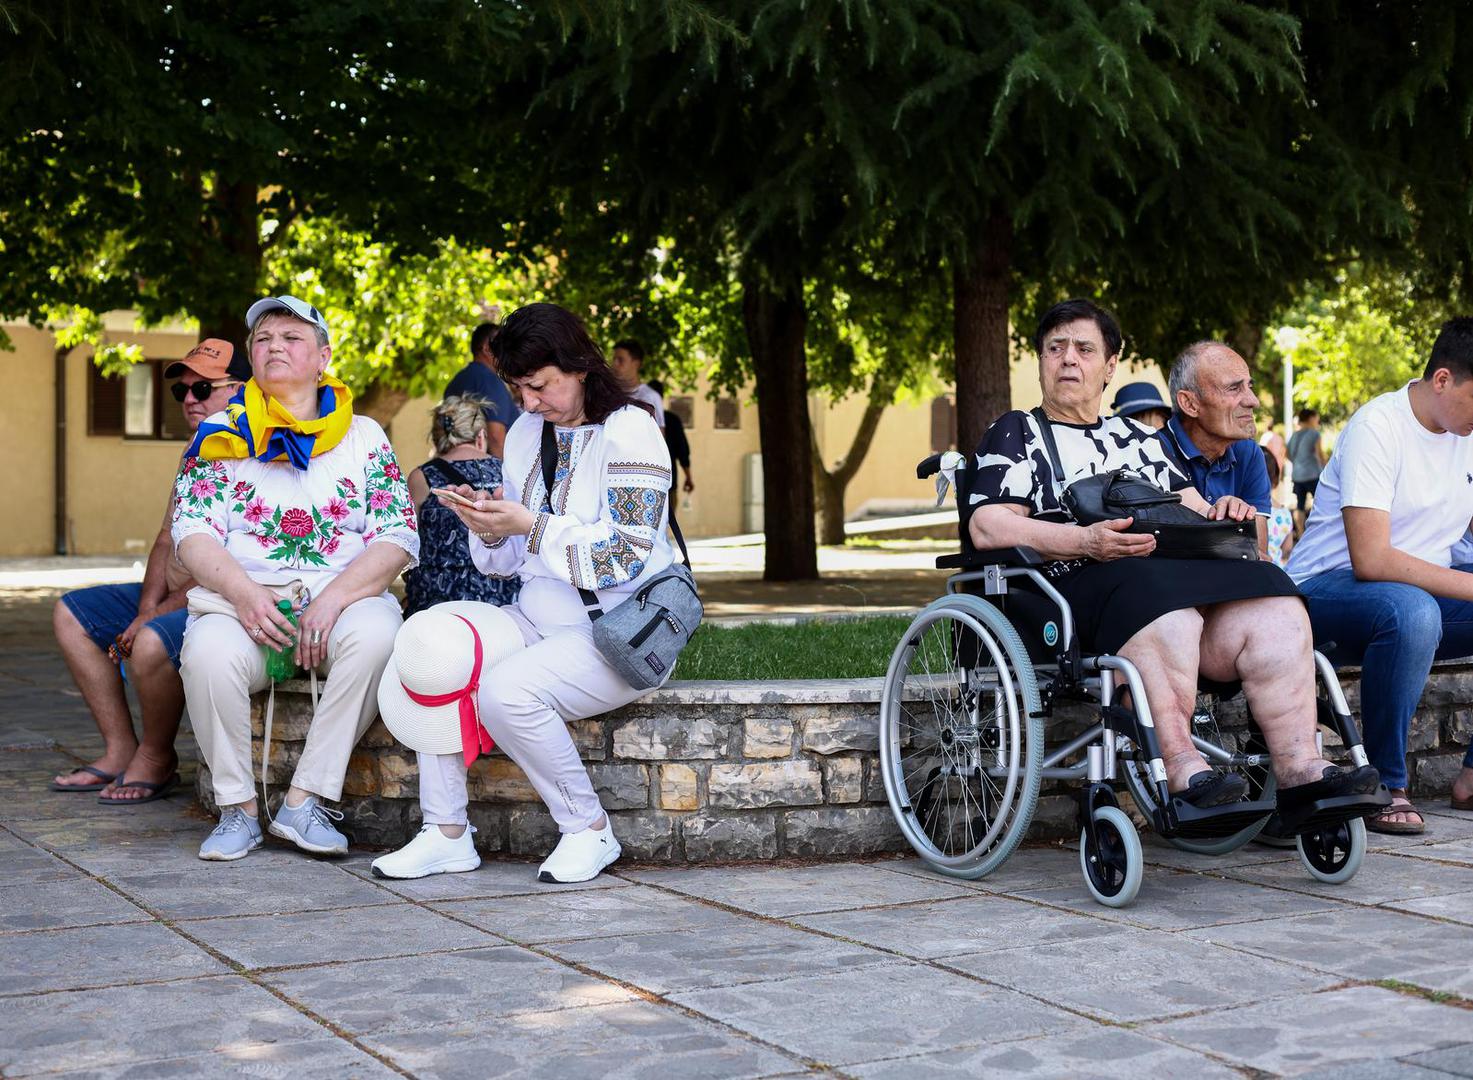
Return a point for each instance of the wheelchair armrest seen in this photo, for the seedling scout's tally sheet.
(928, 468)
(1010, 556)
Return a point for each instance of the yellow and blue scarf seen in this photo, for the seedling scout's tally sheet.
(258, 426)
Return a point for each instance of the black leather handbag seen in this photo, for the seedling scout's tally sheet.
(1180, 532)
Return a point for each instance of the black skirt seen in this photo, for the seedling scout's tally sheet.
(1113, 600)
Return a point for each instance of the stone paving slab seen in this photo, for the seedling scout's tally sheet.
(631, 1041)
(1456, 851)
(322, 1059)
(634, 909)
(868, 1012)
(28, 866)
(1026, 868)
(1457, 1060)
(318, 937)
(493, 878)
(1360, 943)
(96, 956)
(1381, 878)
(1316, 1031)
(1381, 1069)
(101, 1029)
(54, 905)
(948, 927)
(250, 887)
(1140, 974)
(472, 989)
(1100, 1054)
(1180, 901)
(799, 890)
(1457, 907)
(1159, 853)
(742, 951)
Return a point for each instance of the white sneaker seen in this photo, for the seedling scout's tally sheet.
(580, 856)
(431, 852)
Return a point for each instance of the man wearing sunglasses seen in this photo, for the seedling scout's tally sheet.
(141, 626)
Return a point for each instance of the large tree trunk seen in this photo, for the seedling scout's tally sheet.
(776, 323)
(980, 330)
(833, 483)
(233, 223)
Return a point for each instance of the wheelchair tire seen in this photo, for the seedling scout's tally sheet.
(1334, 855)
(961, 736)
(1113, 873)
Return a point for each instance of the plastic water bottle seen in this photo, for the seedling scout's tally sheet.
(280, 663)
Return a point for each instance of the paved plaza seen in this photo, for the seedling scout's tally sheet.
(121, 954)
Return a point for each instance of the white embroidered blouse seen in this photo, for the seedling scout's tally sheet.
(308, 524)
(607, 527)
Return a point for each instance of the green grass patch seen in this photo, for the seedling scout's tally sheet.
(816, 649)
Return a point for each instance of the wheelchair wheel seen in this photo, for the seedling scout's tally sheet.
(961, 736)
(1261, 784)
(1334, 855)
(1113, 868)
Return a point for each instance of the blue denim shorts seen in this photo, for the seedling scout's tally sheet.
(106, 610)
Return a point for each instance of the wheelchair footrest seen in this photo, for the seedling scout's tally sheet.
(1325, 813)
(1210, 822)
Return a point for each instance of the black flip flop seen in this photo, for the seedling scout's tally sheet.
(103, 778)
(1214, 788)
(155, 791)
(1334, 782)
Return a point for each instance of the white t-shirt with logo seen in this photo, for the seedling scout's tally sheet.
(1386, 460)
(642, 392)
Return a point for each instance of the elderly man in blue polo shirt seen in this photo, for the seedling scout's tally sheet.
(1212, 430)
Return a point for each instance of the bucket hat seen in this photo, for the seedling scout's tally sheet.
(1138, 397)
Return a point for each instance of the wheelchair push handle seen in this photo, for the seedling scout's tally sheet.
(929, 468)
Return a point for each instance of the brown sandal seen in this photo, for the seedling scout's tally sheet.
(1400, 804)
(1461, 804)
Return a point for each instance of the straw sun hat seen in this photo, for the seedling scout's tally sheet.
(434, 661)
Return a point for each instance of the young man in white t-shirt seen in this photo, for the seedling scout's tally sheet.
(1375, 562)
(626, 360)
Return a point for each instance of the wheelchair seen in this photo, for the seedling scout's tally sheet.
(975, 681)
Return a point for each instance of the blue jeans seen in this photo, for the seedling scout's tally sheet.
(1394, 632)
(106, 610)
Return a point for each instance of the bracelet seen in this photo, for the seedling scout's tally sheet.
(487, 538)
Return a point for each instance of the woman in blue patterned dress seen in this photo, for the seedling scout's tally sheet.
(445, 571)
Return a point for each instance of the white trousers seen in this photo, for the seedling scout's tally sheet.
(526, 702)
(221, 667)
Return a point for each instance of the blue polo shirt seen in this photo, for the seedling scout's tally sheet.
(1239, 472)
(476, 378)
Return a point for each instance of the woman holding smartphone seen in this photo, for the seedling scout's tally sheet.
(599, 525)
(445, 571)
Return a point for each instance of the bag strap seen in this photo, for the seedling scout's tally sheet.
(1046, 429)
(451, 471)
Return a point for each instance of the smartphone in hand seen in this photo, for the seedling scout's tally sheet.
(453, 497)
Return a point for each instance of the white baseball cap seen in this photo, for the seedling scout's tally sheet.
(435, 658)
(300, 308)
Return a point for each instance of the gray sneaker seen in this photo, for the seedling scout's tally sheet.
(234, 838)
(310, 827)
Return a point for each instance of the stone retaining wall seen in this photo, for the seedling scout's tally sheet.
(705, 772)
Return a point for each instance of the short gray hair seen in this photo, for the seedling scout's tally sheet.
(317, 331)
(1184, 368)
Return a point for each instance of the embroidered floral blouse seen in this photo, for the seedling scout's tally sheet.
(273, 518)
(606, 529)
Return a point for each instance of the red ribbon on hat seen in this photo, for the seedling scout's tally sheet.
(475, 740)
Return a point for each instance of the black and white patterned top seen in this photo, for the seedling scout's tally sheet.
(1012, 464)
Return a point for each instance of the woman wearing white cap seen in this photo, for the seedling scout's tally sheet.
(459, 672)
(288, 488)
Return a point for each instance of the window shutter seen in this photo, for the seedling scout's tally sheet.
(104, 402)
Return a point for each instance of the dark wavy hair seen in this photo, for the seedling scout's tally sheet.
(1068, 311)
(545, 335)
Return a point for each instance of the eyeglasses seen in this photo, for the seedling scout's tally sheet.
(201, 389)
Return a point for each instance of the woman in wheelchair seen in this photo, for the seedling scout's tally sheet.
(1091, 573)
(1175, 619)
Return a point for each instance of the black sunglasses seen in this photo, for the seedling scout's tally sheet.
(201, 389)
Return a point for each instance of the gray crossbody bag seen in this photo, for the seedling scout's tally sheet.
(642, 637)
